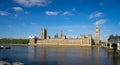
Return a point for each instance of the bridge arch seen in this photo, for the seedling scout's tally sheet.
(108, 45)
(114, 46)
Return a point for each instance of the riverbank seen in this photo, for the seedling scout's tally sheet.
(7, 44)
(111, 51)
(19, 44)
(14, 41)
(8, 63)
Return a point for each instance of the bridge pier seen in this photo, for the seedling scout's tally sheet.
(106, 45)
(118, 46)
(110, 45)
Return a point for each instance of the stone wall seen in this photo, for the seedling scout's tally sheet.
(80, 42)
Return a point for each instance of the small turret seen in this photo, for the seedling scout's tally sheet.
(43, 33)
(82, 36)
(32, 40)
(61, 34)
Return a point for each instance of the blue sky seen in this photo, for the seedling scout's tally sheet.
(22, 18)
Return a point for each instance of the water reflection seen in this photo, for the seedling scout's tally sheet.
(32, 55)
(70, 56)
(43, 56)
(115, 58)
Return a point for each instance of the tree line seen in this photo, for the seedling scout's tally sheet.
(14, 41)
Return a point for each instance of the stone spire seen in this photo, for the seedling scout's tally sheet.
(97, 34)
(61, 34)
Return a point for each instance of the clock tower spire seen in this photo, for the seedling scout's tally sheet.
(97, 34)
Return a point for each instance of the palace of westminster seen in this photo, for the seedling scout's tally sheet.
(62, 40)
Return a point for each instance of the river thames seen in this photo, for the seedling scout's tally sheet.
(31, 55)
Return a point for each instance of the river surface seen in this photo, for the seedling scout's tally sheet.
(31, 55)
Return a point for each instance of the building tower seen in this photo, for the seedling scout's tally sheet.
(90, 38)
(32, 40)
(43, 33)
(61, 34)
(97, 34)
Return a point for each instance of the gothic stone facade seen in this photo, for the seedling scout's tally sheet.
(62, 40)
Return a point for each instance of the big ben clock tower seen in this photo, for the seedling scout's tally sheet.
(97, 34)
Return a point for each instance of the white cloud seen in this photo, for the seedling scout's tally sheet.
(17, 9)
(51, 13)
(29, 3)
(67, 13)
(4, 13)
(101, 21)
(95, 15)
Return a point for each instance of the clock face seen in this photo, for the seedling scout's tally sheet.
(96, 29)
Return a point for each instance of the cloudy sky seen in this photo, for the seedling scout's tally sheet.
(21, 18)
